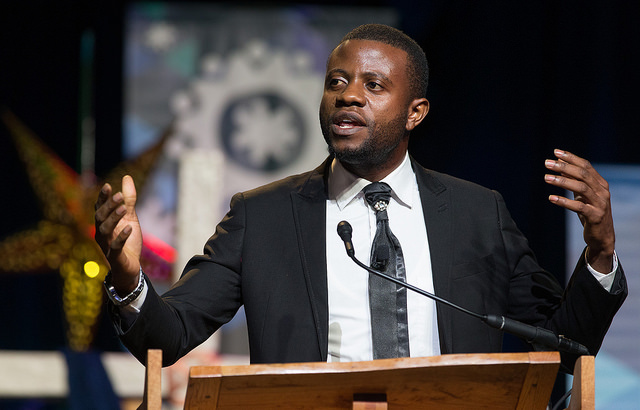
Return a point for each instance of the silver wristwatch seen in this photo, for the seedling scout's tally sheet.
(121, 301)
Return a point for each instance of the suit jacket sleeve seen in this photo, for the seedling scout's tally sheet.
(483, 262)
(582, 312)
(206, 296)
(267, 255)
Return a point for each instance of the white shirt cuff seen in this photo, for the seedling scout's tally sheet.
(605, 279)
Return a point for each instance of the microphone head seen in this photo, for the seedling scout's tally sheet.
(344, 230)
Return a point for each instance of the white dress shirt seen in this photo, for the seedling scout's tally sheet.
(349, 316)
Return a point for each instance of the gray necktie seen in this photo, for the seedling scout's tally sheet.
(387, 301)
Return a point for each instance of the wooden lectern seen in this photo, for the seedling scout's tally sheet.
(460, 381)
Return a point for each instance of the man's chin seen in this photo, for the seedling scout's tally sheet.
(350, 156)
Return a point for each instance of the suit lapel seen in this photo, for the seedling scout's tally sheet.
(437, 214)
(309, 212)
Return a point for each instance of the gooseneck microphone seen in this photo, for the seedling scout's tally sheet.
(535, 335)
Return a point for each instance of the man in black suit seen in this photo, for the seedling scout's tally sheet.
(277, 253)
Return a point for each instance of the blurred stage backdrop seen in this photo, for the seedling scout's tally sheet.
(201, 100)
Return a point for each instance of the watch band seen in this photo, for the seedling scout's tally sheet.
(121, 301)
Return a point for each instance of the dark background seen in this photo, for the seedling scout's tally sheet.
(510, 81)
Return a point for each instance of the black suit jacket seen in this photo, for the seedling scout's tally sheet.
(269, 254)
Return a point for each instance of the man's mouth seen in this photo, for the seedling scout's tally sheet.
(347, 123)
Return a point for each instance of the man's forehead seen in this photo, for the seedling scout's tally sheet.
(375, 48)
(373, 44)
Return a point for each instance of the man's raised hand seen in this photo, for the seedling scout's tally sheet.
(119, 235)
(591, 201)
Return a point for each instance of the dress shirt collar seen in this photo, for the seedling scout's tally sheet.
(344, 186)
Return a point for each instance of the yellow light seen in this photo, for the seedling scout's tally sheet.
(91, 269)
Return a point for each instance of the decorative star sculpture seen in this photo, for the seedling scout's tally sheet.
(63, 239)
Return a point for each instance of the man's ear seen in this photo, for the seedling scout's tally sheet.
(418, 109)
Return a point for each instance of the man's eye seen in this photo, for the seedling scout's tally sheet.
(374, 85)
(334, 82)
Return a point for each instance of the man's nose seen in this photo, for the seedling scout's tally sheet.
(351, 95)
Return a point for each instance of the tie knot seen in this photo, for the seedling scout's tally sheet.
(377, 195)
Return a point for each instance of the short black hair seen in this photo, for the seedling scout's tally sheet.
(417, 68)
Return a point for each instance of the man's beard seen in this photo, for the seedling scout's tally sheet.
(375, 150)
